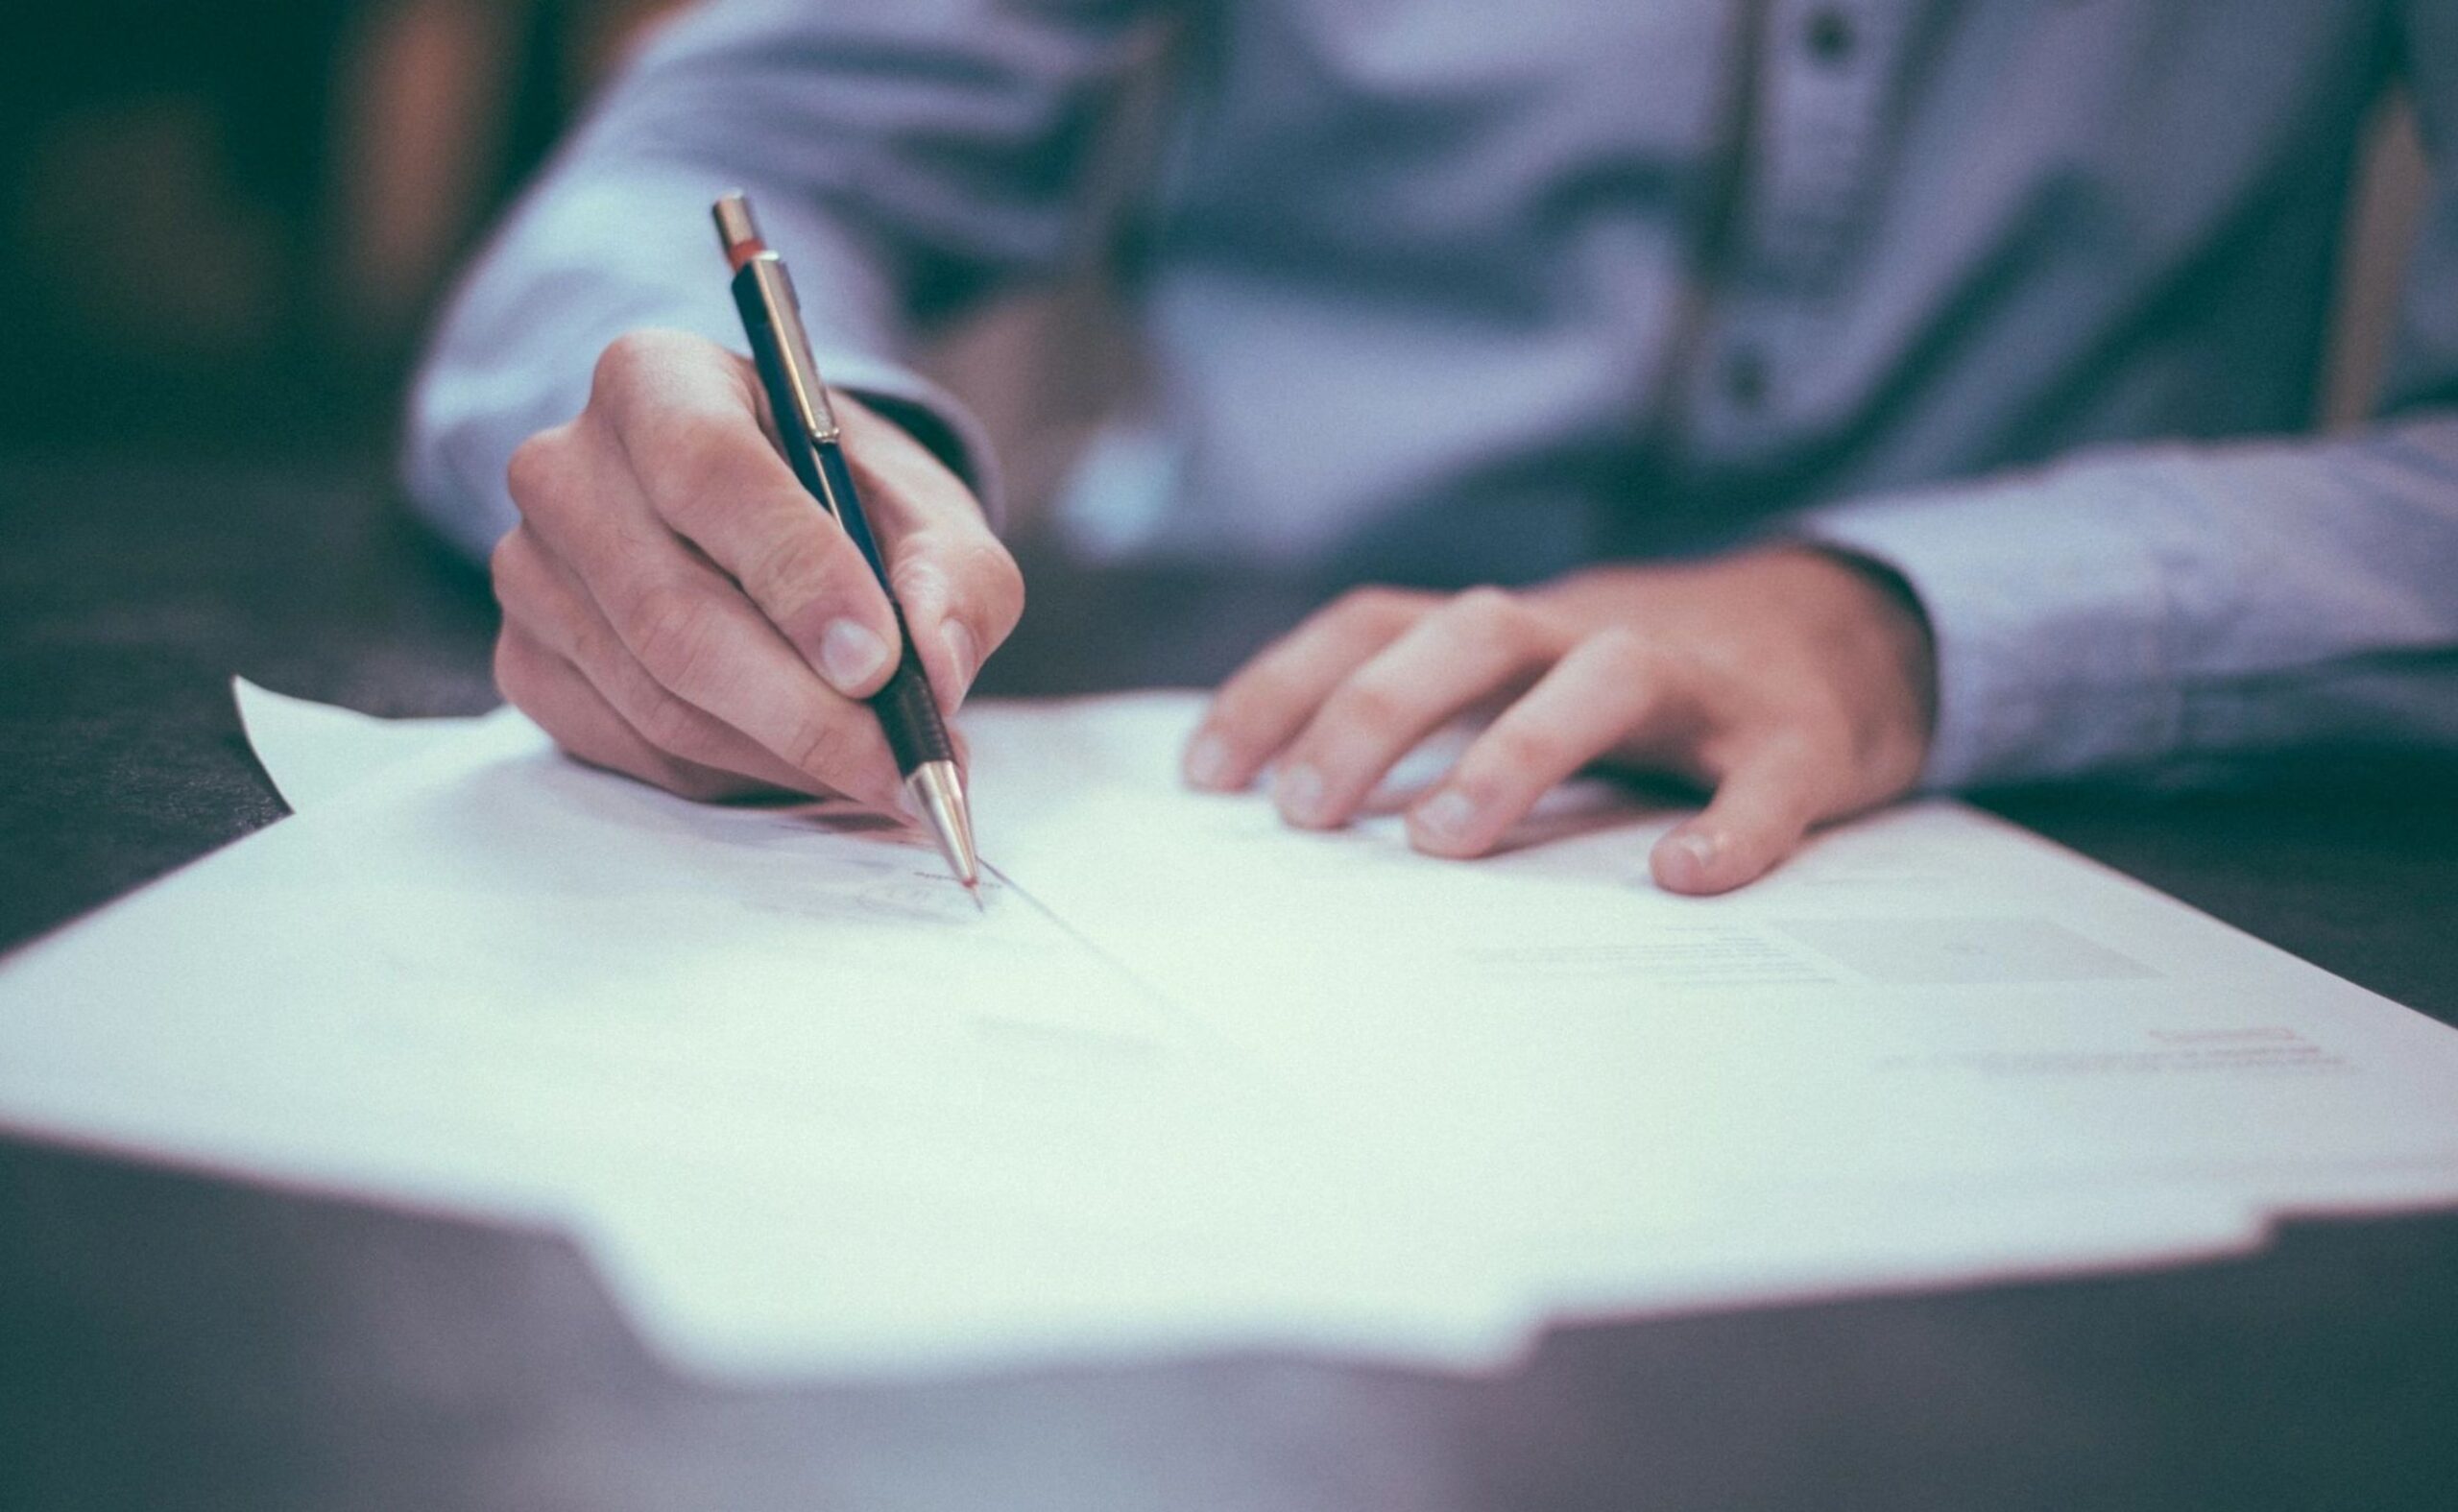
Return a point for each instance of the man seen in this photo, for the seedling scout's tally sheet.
(1863, 395)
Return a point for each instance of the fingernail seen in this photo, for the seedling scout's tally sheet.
(1298, 790)
(965, 653)
(1693, 855)
(1208, 761)
(850, 652)
(1446, 816)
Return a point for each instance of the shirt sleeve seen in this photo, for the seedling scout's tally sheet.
(2153, 612)
(904, 156)
(2176, 611)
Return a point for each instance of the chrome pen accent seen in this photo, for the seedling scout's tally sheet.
(937, 791)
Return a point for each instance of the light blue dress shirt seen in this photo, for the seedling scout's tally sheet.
(2023, 299)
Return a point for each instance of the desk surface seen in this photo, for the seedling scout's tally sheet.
(171, 1341)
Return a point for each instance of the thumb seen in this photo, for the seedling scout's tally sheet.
(958, 587)
(1761, 809)
(961, 600)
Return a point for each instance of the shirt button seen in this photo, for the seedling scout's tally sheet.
(1746, 377)
(1830, 35)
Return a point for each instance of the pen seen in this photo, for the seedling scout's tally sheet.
(763, 293)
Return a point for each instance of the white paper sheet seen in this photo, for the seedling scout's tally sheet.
(1225, 1085)
(315, 753)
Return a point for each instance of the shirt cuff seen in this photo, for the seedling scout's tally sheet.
(2047, 603)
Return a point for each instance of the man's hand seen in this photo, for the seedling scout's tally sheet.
(1798, 686)
(678, 608)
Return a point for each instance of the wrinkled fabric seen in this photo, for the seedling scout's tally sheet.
(2024, 300)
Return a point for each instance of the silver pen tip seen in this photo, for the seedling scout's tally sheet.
(937, 790)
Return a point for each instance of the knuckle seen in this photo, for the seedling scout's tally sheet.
(1520, 748)
(668, 630)
(534, 470)
(1374, 606)
(1270, 689)
(1624, 655)
(1816, 726)
(1012, 596)
(799, 571)
(720, 480)
(1489, 611)
(679, 733)
(1814, 742)
(624, 361)
(1493, 616)
(667, 723)
(507, 566)
(1241, 702)
(1366, 704)
(993, 583)
(696, 477)
(821, 747)
(599, 650)
(512, 673)
(709, 452)
(971, 576)
(918, 574)
(520, 576)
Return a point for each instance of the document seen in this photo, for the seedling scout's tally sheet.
(1194, 1081)
(315, 751)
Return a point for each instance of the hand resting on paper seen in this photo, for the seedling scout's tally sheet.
(677, 608)
(1798, 686)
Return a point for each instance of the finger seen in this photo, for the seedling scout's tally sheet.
(686, 417)
(1608, 690)
(689, 625)
(1475, 646)
(962, 597)
(703, 644)
(1761, 809)
(1271, 699)
(960, 589)
(542, 598)
(554, 693)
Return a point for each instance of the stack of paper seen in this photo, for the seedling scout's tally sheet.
(1193, 1080)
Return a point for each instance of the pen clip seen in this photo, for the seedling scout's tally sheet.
(811, 409)
(780, 310)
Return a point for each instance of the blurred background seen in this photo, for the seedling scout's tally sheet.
(225, 226)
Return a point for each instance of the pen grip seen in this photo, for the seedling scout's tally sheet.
(908, 714)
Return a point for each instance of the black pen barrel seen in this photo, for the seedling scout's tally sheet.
(908, 712)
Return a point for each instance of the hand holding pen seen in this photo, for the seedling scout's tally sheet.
(678, 608)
